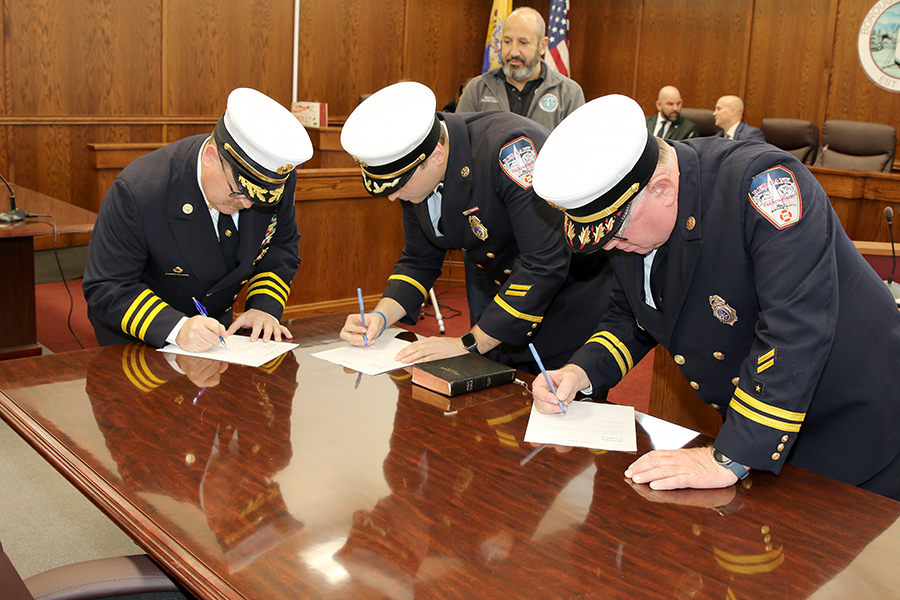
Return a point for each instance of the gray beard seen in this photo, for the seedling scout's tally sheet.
(521, 74)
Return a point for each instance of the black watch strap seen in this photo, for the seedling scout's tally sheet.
(737, 468)
(470, 342)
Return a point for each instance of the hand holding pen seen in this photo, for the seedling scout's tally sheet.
(552, 387)
(202, 310)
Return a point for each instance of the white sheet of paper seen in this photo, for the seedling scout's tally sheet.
(585, 425)
(240, 351)
(664, 435)
(372, 360)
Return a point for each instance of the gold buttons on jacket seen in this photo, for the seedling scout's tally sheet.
(507, 271)
(715, 406)
(497, 282)
(776, 456)
(534, 325)
(464, 171)
(784, 438)
(780, 447)
(679, 359)
(695, 385)
(187, 209)
(718, 356)
(736, 381)
(529, 333)
(691, 223)
(490, 255)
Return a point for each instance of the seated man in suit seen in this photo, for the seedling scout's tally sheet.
(668, 123)
(728, 114)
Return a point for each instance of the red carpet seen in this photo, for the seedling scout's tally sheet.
(53, 310)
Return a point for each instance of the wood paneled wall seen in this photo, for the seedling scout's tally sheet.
(113, 71)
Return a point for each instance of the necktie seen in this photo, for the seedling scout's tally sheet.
(727, 137)
(657, 275)
(228, 240)
(662, 128)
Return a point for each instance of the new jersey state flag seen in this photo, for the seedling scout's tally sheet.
(499, 12)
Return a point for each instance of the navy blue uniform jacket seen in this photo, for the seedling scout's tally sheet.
(808, 373)
(154, 247)
(533, 295)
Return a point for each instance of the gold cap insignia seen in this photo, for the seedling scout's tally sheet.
(187, 209)
(284, 169)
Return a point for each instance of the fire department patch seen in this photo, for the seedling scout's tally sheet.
(776, 196)
(517, 161)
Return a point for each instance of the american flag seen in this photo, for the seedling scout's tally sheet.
(558, 32)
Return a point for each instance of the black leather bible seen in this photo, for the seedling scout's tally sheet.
(460, 374)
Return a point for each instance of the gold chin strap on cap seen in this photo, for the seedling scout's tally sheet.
(631, 191)
(256, 172)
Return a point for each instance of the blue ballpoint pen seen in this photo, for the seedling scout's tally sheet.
(552, 387)
(203, 312)
(362, 314)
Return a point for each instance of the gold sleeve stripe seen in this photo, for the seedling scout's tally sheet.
(141, 313)
(150, 318)
(626, 353)
(267, 292)
(518, 286)
(412, 282)
(515, 313)
(768, 409)
(758, 418)
(514, 293)
(746, 565)
(510, 417)
(612, 350)
(273, 279)
(766, 356)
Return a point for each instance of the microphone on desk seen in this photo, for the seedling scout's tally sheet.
(12, 215)
(893, 287)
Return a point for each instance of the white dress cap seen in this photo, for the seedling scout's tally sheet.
(390, 123)
(266, 131)
(590, 151)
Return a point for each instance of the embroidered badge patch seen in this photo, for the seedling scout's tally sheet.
(776, 196)
(549, 102)
(517, 161)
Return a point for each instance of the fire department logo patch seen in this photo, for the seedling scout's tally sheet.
(517, 161)
(776, 196)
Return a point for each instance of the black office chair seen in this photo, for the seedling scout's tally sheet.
(856, 145)
(799, 137)
(703, 117)
(90, 580)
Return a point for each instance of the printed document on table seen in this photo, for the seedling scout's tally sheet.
(240, 351)
(376, 358)
(585, 425)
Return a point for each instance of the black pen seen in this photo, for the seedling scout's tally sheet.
(203, 312)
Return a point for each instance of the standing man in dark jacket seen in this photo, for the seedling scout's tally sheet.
(731, 257)
(200, 218)
(465, 183)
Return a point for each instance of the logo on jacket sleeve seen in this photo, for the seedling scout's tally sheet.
(776, 196)
(517, 161)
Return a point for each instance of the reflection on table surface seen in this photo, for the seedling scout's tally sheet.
(292, 481)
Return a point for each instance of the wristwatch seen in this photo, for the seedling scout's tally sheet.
(470, 342)
(736, 468)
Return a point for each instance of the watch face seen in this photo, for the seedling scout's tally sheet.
(469, 342)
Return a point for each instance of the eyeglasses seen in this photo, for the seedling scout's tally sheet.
(626, 219)
(234, 195)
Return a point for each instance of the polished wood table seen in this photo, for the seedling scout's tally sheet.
(301, 479)
(18, 325)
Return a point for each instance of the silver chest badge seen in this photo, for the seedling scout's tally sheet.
(722, 311)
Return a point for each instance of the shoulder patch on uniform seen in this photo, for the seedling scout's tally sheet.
(776, 196)
(517, 161)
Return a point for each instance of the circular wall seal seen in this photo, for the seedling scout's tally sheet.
(879, 52)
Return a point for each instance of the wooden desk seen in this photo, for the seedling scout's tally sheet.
(859, 199)
(292, 481)
(18, 329)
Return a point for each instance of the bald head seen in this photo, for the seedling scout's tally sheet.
(669, 103)
(729, 110)
(522, 44)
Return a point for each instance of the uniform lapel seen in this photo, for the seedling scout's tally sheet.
(194, 233)
(686, 240)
